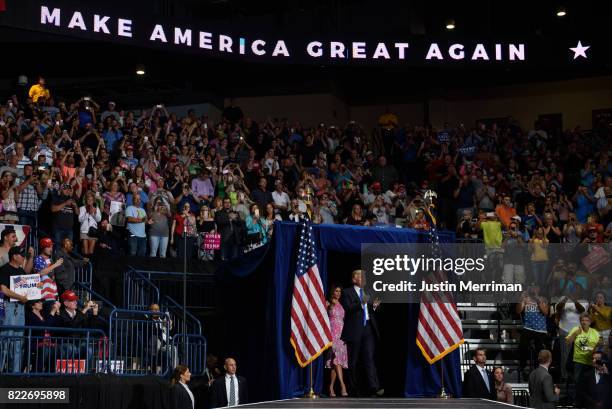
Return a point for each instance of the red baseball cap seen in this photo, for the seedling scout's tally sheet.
(45, 243)
(69, 295)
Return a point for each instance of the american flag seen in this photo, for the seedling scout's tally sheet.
(19, 281)
(310, 329)
(439, 329)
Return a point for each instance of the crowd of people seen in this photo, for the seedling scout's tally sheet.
(150, 182)
(110, 181)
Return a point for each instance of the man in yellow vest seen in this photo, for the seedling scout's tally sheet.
(39, 92)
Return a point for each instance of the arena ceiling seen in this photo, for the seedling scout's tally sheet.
(108, 69)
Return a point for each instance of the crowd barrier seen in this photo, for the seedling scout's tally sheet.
(175, 311)
(138, 291)
(84, 274)
(191, 351)
(200, 287)
(140, 343)
(52, 351)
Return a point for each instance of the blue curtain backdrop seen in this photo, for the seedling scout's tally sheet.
(422, 379)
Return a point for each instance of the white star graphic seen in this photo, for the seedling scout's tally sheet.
(580, 50)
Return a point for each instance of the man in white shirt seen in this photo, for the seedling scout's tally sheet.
(228, 390)
(22, 159)
(280, 198)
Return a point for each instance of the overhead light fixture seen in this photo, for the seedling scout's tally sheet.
(140, 70)
(561, 12)
(450, 24)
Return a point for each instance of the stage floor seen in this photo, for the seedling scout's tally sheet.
(371, 403)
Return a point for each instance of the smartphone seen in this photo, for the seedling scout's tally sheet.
(158, 106)
(85, 98)
(146, 139)
(205, 125)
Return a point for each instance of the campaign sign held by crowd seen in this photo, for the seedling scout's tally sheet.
(26, 285)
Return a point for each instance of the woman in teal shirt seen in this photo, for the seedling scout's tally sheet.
(255, 225)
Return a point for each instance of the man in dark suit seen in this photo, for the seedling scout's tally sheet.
(228, 390)
(596, 384)
(360, 334)
(478, 381)
(542, 393)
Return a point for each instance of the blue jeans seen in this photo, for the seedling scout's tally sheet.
(61, 234)
(156, 242)
(539, 271)
(11, 341)
(27, 217)
(137, 246)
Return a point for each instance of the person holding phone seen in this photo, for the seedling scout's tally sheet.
(159, 222)
(89, 217)
(184, 231)
(257, 229)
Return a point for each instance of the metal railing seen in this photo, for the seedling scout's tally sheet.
(191, 351)
(140, 343)
(138, 291)
(84, 274)
(200, 287)
(87, 293)
(52, 351)
(175, 311)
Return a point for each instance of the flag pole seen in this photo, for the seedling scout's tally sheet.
(443, 394)
(311, 393)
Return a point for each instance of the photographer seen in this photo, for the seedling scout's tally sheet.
(296, 213)
(30, 193)
(70, 317)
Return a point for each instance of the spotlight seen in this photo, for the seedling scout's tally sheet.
(140, 69)
(450, 24)
(561, 12)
